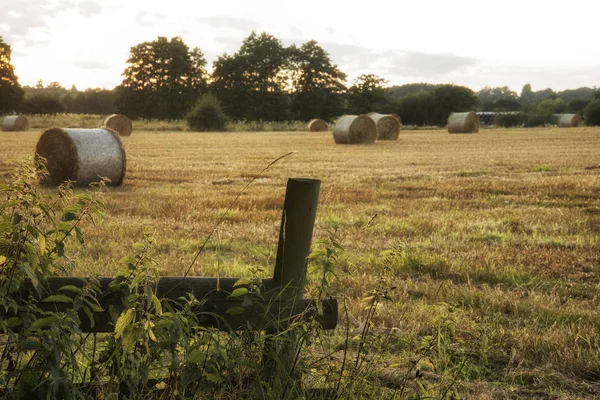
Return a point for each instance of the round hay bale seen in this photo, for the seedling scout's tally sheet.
(317, 125)
(82, 156)
(465, 122)
(15, 123)
(354, 129)
(119, 123)
(569, 120)
(388, 126)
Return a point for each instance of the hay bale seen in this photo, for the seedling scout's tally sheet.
(465, 122)
(82, 156)
(317, 125)
(119, 123)
(15, 123)
(354, 129)
(388, 126)
(569, 120)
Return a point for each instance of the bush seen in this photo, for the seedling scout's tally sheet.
(592, 113)
(524, 120)
(206, 115)
(510, 120)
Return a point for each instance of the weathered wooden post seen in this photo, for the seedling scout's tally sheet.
(295, 237)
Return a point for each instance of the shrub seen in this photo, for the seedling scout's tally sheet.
(592, 113)
(510, 120)
(206, 115)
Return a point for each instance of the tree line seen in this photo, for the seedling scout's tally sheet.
(265, 80)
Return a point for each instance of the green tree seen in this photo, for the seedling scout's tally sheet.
(368, 94)
(592, 113)
(551, 106)
(527, 95)
(253, 83)
(11, 93)
(577, 106)
(447, 99)
(414, 108)
(318, 85)
(490, 95)
(162, 80)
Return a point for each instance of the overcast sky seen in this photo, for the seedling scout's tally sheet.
(475, 43)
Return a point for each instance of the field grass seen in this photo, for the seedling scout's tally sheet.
(493, 239)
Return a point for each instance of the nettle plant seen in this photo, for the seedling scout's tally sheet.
(158, 348)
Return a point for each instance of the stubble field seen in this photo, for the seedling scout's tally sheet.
(491, 242)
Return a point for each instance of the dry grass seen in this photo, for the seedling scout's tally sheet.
(496, 237)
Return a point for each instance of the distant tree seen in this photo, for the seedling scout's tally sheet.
(11, 93)
(318, 85)
(253, 83)
(490, 95)
(592, 113)
(527, 95)
(550, 106)
(577, 106)
(506, 104)
(395, 93)
(367, 94)
(415, 108)
(41, 104)
(162, 80)
(582, 93)
(447, 99)
(39, 84)
(54, 85)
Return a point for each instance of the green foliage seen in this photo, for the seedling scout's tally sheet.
(41, 104)
(551, 106)
(396, 93)
(252, 83)
(206, 115)
(368, 94)
(162, 80)
(510, 120)
(491, 95)
(11, 93)
(592, 113)
(446, 99)
(577, 106)
(415, 108)
(318, 85)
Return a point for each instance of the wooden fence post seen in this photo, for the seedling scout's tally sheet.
(295, 237)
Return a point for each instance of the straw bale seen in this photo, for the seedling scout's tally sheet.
(569, 120)
(465, 122)
(119, 123)
(318, 125)
(15, 123)
(388, 126)
(354, 129)
(82, 156)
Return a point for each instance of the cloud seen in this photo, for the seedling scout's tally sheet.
(220, 21)
(352, 58)
(425, 65)
(91, 65)
(24, 17)
(149, 19)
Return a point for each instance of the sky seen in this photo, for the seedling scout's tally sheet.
(474, 43)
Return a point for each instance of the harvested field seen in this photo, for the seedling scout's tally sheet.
(495, 239)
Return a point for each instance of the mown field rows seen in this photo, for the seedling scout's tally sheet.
(491, 242)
